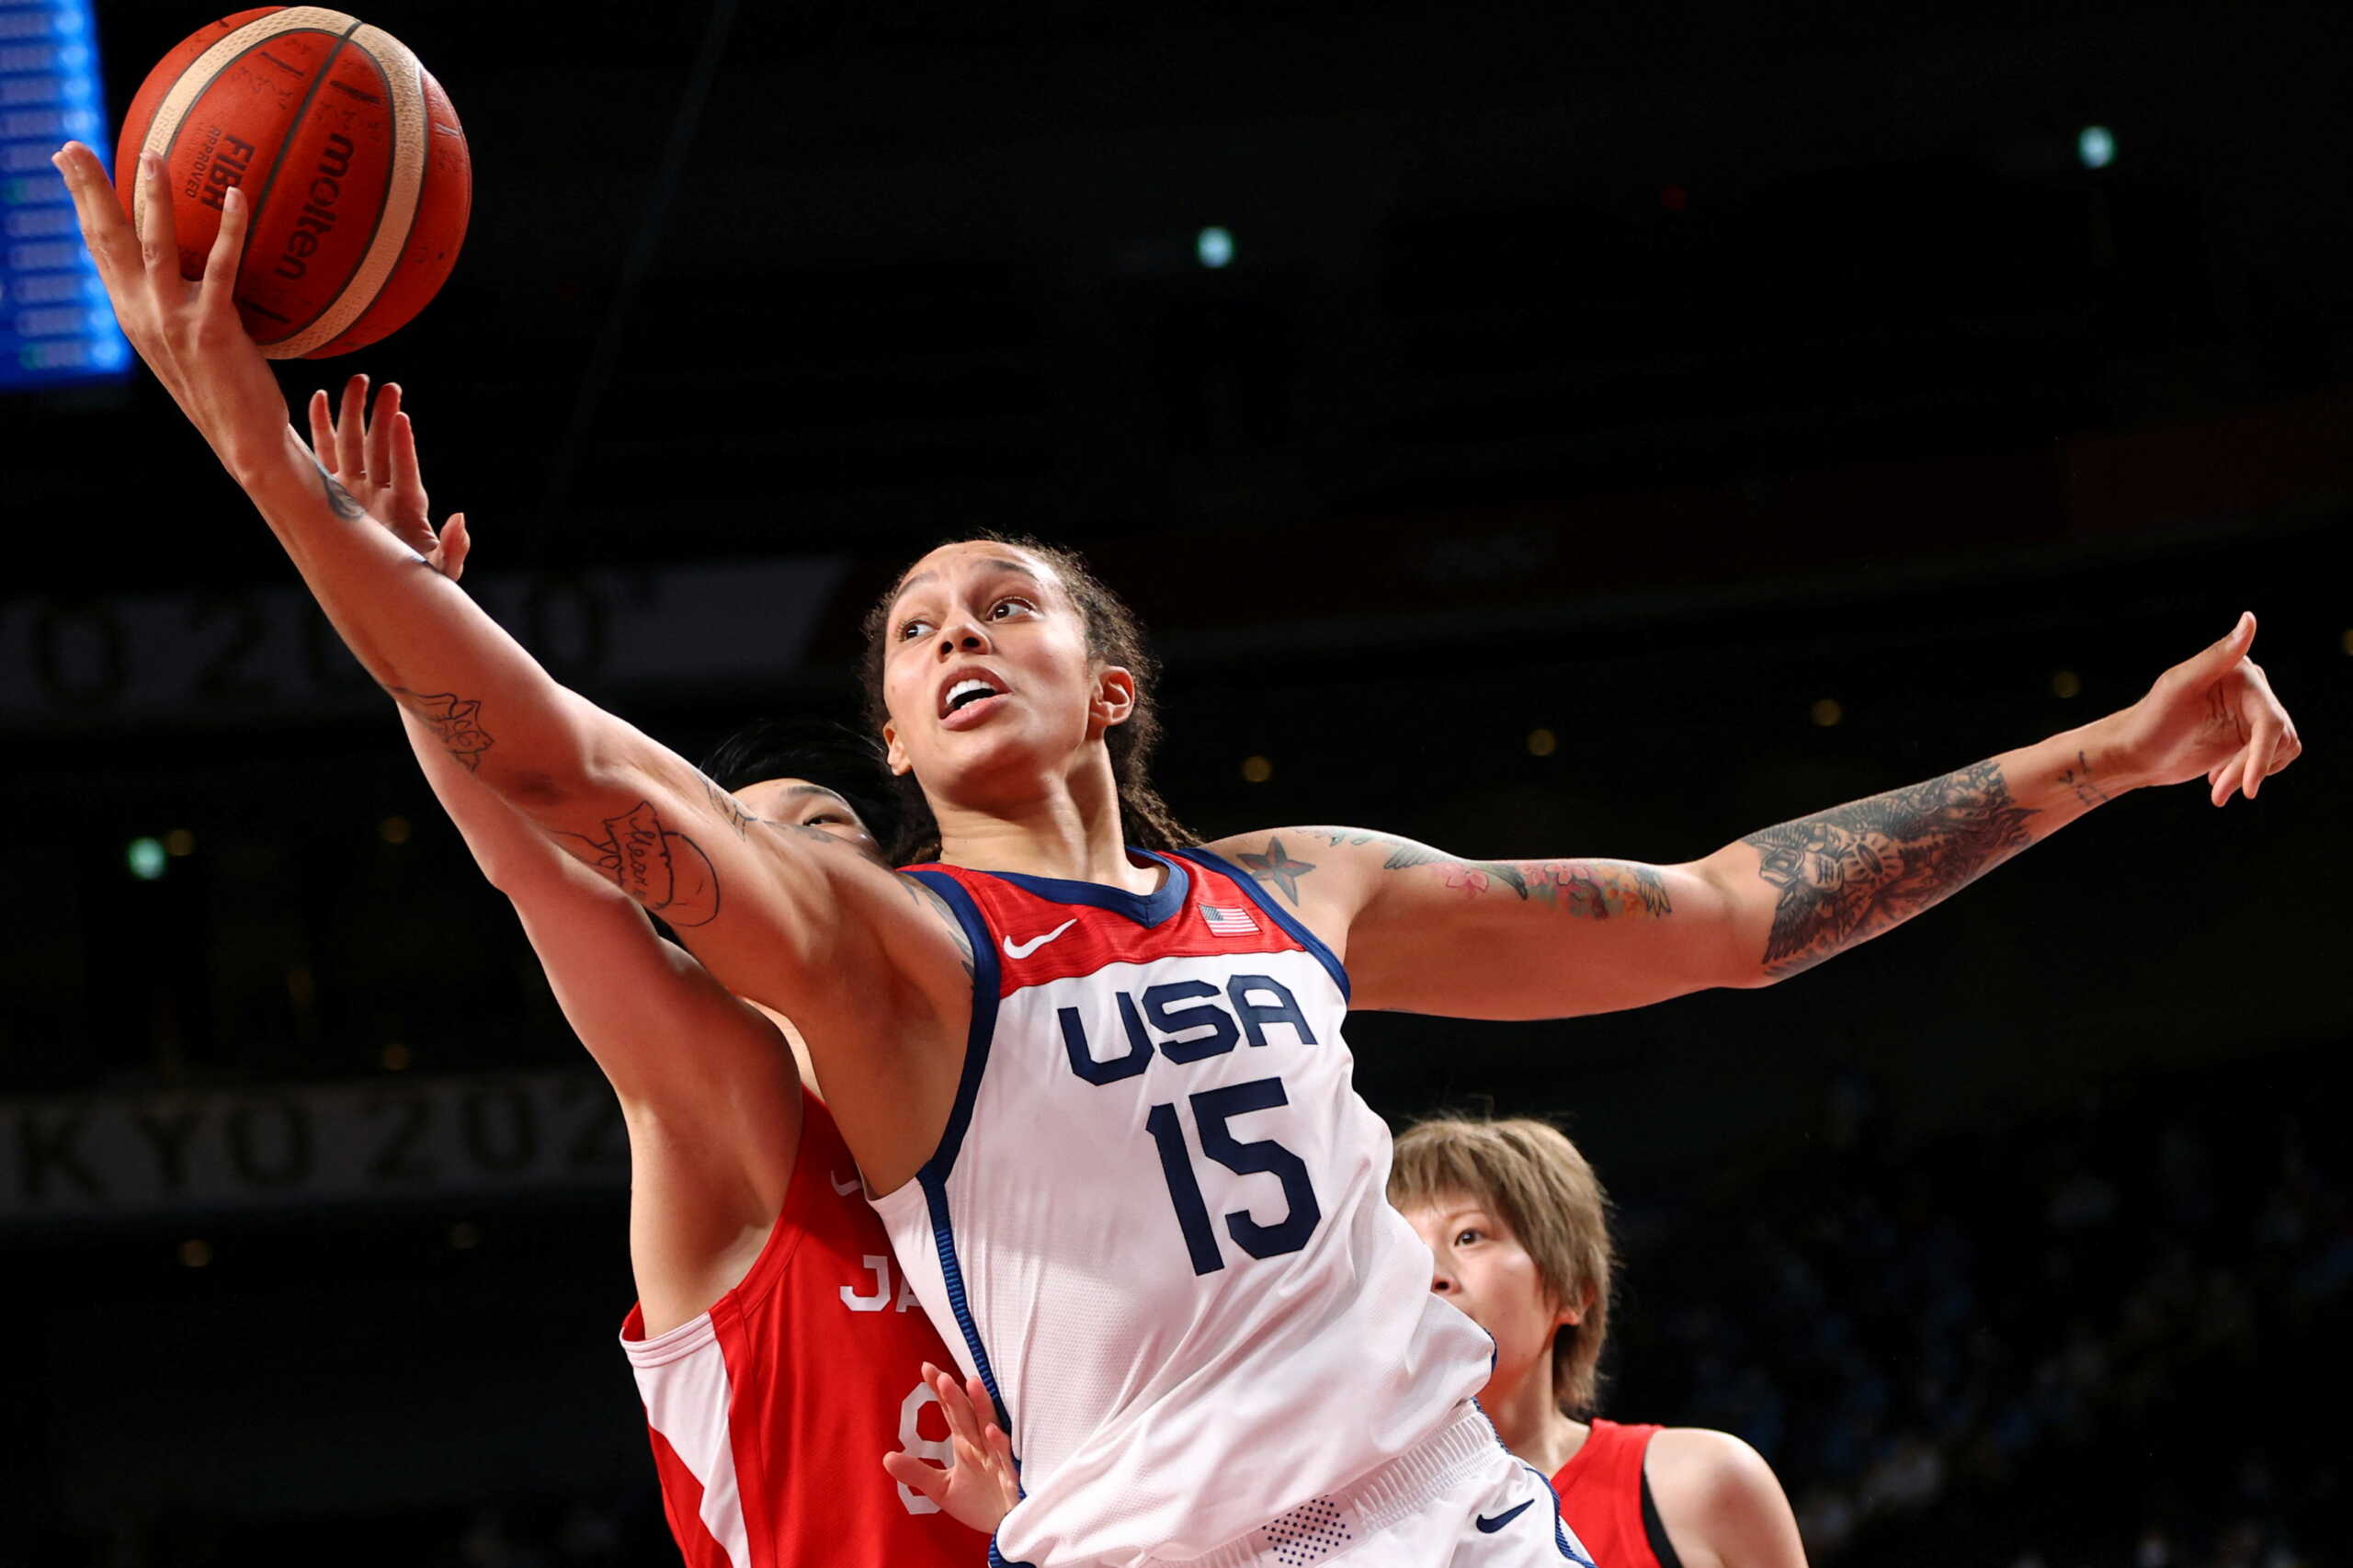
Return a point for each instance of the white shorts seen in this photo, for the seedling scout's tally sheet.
(1458, 1499)
(1503, 1515)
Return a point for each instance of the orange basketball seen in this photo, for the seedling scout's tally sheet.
(351, 159)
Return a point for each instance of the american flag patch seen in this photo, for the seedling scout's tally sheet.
(1229, 922)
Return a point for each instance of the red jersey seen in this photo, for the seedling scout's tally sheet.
(770, 1413)
(1604, 1500)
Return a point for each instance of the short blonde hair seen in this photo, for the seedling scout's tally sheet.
(1530, 1173)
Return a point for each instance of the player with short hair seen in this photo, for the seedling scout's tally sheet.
(775, 1349)
(1518, 1230)
(1101, 1089)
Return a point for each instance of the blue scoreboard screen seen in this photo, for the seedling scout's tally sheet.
(55, 325)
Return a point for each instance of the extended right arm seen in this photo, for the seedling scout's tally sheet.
(795, 920)
(707, 1083)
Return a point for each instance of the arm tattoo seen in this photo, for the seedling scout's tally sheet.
(665, 872)
(456, 723)
(1277, 870)
(341, 502)
(923, 895)
(2079, 779)
(1582, 890)
(730, 812)
(1852, 873)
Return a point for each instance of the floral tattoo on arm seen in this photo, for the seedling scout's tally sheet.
(455, 721)
(1582, 890)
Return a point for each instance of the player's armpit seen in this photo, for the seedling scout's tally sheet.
(1429, 932)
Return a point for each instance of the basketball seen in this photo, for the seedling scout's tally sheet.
(351, 159)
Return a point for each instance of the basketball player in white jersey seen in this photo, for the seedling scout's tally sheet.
(1100, 1088)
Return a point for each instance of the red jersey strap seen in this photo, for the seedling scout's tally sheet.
(1602, 1495)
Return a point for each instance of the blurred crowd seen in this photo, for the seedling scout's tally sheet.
(2095, 1339)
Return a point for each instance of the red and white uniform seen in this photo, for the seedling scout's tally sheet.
(1603, 1499)
(770, 1413)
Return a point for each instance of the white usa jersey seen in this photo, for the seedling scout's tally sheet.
(1157, 1224)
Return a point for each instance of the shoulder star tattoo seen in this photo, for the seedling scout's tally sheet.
(1278, 869)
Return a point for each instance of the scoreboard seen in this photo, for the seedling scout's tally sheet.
(56, 327)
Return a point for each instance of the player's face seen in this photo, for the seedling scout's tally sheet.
(986, 674)
(803, 804)
(1479, 1265)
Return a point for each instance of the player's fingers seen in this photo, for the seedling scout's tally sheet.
(2214, 661)
(218, 291)
(159, 244)
(978, 1399)
(350, 432)
(2261, 740)
(2292, 747)
(381, 422)
(105, 230)
(963, 1420)
(1001, 1465)
(2226, 781)
(927, 1478)
(456, 545)
(321, 430)
(406, 474)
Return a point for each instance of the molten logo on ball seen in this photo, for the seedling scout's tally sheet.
(317, 216)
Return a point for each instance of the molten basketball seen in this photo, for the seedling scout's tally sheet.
(351, 159)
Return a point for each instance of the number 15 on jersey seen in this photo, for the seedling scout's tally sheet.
(1214, 1109)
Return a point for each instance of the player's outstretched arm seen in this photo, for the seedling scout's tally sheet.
(1429, 932)
(797, 920)
(707, 1083)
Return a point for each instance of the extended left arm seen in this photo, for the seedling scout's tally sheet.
(1427, 932)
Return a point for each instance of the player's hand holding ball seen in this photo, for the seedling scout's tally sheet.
(290, 177)
(187, 333)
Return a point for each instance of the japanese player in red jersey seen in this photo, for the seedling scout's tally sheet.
(1518, 1232)
(1096, 1074)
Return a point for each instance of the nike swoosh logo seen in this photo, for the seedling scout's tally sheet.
(844, 1187)
(1014, 949)
(1489, 1526)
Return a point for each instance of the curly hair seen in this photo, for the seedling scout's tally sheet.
(1115, 636)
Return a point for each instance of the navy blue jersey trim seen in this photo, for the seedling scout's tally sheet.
(1146, 909)
(984, 1030)
(934, 1174)
(1274, 912)
(943, 1238)
(1562, 1538)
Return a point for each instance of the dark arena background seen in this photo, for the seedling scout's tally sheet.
(1530, 428)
